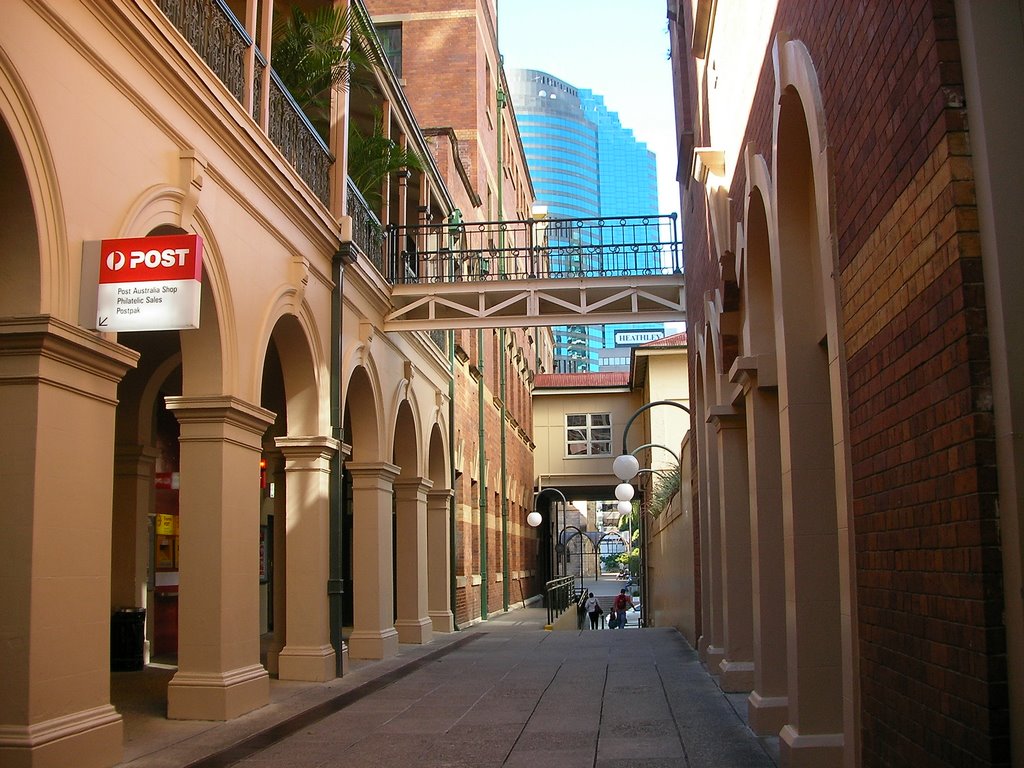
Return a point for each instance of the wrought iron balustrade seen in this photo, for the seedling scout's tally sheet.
(367, 232)
(216, 35)
(298, 141)
(212, 29)
(532, 249)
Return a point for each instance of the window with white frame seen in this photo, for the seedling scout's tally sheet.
(588, 434)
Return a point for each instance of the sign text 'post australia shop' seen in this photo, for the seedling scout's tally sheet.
(149, 283)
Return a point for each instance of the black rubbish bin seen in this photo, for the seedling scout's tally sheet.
(127, 639)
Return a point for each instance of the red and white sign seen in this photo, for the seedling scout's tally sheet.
(149, 283)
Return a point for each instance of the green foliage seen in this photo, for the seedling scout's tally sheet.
(666, 486)
(373, 157)
(315, 51)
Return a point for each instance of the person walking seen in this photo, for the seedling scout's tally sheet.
(594, 610)
(623, 603)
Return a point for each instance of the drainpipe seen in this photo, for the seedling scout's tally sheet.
(500, 101)
(504, 482)
(483, 475)
(335, 576)
(452, 594)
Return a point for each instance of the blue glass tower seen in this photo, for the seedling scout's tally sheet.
(561, 147)
(584, 164)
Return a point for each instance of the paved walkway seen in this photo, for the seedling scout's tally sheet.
(501, 693)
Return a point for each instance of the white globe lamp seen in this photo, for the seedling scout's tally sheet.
(624, 507)
(534, 519)
(623, 491)
(625, 466)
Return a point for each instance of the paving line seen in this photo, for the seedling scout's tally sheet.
(267, 738)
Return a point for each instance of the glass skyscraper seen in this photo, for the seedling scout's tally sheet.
(584, 164)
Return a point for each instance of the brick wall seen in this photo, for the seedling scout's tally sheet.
(447, 48)
(912, 319)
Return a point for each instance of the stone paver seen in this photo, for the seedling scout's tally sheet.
(511, 695)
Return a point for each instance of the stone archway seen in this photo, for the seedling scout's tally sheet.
(710, 639)
(814, 445)
(439, 534)
(411, 493)
(298, 511)
(768, 701)
(56, 380)
(371, 481)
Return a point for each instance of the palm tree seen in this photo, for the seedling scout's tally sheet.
(313, 52)
(373, 157)
(327, 47)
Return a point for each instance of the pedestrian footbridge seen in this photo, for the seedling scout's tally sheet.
(535, 272)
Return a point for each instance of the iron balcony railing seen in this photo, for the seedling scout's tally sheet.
(212, 29)
(367, 232)
(532, 249)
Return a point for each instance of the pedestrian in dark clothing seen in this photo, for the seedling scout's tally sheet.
(623, 603)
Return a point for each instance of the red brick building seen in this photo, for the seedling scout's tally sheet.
(447, 53)
(847, 175)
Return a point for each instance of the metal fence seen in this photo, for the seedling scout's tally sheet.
(530, 249)
(560, 594)
(221, 41)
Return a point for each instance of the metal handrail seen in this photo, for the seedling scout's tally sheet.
(530, 248)
(559, 594)
(367, 232)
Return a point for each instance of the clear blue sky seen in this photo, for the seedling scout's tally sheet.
(618, 49)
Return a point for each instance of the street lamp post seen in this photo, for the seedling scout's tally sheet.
(626, 467)
(535, 518)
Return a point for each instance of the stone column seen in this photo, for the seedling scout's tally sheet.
(439, 595)
(373, 635)
(712, 640)
(219, 672)
(768, 703)
(58, 401)
(813, 735)
(307, 654)
(413, 623)
(737, 664)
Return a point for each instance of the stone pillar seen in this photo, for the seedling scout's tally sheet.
(712, 641)
(134, 468)
(307, 654)
(813, 734)
(58, 401)
(219, 672)
(439, 595)
(373, 634)
(737, 664)
(413, 623)
(768, 703)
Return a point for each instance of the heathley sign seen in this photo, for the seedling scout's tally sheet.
(144, 283)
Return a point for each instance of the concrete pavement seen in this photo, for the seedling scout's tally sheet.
(501, 693)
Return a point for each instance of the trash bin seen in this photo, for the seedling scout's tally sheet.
(127, 639)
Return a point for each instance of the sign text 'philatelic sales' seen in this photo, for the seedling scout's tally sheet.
(149, 283)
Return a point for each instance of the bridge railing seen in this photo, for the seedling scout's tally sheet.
(533, 249)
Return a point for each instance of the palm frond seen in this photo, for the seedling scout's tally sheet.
(314, 52)
(374, 156)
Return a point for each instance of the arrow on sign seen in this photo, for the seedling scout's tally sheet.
(102, 322)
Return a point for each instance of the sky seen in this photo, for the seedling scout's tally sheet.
(617, 53)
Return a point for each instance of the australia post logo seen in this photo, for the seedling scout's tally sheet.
(148, 259)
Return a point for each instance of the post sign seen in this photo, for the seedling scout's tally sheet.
(149, 283)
